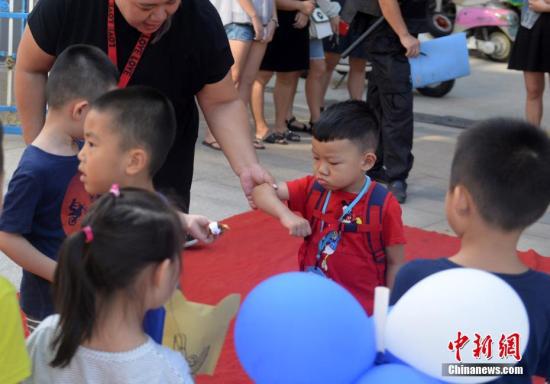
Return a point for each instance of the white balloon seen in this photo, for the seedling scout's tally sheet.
(432, 312)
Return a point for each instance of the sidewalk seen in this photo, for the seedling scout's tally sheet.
(490, 91)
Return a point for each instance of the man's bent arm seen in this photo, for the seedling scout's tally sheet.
(227, 117)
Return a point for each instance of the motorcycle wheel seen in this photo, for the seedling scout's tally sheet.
(440, 25)
(437, 89)
(503, 46)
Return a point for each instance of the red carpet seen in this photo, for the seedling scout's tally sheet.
(256, 247)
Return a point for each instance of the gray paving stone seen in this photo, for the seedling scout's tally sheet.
(540, 230)
(441, 226)
(418, 218)
(10, 270)
(539, 244)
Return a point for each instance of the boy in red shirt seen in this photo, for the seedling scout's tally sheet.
(351, 225)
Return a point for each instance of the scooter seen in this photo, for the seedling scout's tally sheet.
(490, 25)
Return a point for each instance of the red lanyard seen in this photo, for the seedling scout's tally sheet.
(134, 58)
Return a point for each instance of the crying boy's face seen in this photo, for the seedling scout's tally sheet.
(340, 164)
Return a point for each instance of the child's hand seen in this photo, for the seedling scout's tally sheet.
(197, 226)
(297, 226)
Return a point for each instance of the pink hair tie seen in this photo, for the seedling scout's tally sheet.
(115, 190)
(88, 234)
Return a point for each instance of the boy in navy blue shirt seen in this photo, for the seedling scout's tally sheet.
(45, 198)
(500, 184)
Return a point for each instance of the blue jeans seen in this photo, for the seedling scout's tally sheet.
(242, 32)
(316, 51)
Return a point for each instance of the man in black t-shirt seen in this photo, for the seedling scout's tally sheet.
(389, 88)
(187, 55)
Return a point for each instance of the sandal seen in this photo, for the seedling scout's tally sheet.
(292, 136)
(294, 125)
(275, 138)
(258, 144)
(212, 145)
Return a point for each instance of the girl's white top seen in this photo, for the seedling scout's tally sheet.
(231, 11)
(149, 363)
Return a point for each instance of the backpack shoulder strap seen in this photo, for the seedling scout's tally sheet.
(376, 204)
(373, 209)
(315, 188)
(373, 216)
(374, 237)
(317, 192)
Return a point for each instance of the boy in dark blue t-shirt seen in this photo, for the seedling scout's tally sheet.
(500, 184)
(45, 198)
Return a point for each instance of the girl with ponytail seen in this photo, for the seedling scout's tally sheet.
(123, 262)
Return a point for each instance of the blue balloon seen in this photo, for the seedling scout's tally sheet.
(396, 374)
(302, 328)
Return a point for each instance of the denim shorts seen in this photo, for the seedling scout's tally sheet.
(237, 31)
(316, 51)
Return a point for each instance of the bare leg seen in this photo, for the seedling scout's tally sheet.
(248, 76)
(356, 78)
(291, 122)
(290, 113)
(331, 60)
(250, 70)
(314, 87)
(534, 85)
(257, 102)
(283, 95)
(239, 50)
